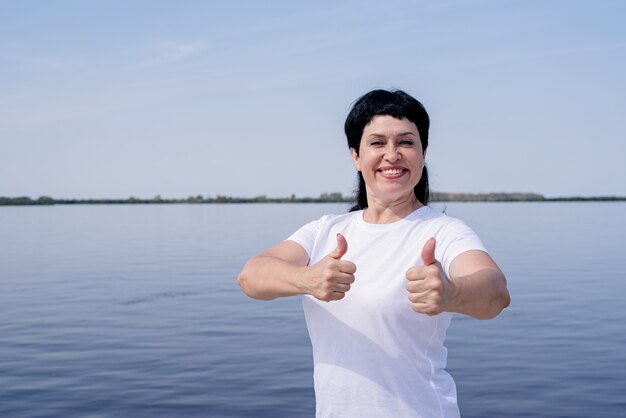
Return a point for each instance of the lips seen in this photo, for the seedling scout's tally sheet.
(392, 172)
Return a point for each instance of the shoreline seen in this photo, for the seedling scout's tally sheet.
(324, 198)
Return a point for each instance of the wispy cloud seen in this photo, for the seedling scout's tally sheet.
(175, 51)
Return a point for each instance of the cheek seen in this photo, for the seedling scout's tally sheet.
(368, 162)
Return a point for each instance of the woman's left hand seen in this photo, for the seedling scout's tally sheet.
(430, 291)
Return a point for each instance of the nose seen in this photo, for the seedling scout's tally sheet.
(392, 153)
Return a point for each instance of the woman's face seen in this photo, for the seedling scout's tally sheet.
(390, 158)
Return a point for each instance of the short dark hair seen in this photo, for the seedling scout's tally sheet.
(395, 103)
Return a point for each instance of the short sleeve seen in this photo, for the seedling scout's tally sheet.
(307, 235)
(456, 238)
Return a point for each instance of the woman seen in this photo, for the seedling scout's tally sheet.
(380, 283)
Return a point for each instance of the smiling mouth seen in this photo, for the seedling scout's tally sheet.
(392, 172)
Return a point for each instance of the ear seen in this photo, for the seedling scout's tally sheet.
(425, 152)
(355, 159)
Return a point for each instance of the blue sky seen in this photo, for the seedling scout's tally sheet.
(139, 98)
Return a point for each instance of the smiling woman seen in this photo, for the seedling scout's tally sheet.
(393, 270)
(400, 111)
(391, 160)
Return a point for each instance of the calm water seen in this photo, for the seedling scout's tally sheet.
(120, 311)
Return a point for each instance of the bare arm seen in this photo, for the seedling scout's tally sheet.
(481, 290)
(284, 271)
(476, 287)
(275, 272)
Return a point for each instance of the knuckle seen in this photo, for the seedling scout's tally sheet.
(330, 274)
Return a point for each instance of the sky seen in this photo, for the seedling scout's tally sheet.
(113, 99)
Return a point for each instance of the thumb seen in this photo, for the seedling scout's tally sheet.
(428, 252)
(342, 247)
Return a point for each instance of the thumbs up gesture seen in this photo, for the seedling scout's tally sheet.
(331, 277)
(430, 291)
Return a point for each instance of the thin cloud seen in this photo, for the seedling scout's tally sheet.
(176, 51)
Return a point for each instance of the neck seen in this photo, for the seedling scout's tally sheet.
(381, 212)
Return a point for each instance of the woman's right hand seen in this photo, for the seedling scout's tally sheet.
(330, 278)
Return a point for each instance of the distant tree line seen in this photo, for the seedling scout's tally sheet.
(46, 200)
(486, 197)
(323, 198)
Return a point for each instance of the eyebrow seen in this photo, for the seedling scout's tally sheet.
(374, 134)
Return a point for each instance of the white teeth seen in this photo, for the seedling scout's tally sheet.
(391, 172)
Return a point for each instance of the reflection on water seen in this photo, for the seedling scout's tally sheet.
(134, 311)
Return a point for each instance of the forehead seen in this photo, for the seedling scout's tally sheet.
(386, 125)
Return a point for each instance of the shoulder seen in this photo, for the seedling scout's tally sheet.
(454, 237)
(330, 220)
(442, 221)
(309, 234)
(343, 218)
(435, 221)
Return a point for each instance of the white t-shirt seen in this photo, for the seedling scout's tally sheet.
(373, 355)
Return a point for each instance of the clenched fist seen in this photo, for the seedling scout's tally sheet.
(430, 291)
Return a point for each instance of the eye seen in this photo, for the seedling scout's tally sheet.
(376, 143)
(407, 142)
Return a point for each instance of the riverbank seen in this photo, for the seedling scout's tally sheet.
(323, 198)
